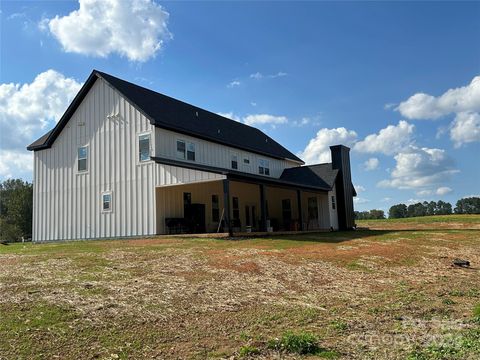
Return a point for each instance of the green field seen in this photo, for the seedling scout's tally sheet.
(385, 291)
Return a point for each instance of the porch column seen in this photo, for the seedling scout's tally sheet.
(299, 203)
(226, 205)
(263, 208)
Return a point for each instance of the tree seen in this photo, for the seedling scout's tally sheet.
(16, 206)
(430, 207)
(397, 211)
(377, 214)
(369, 215)
(469, 205)
(443, 208)
(362, 215)
(417, 209)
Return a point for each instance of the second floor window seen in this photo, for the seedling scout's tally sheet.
(82, 164)
(191, 151)
(144, 147)
(333, 203)
(234, 162)
(263, 167)
(185, 150)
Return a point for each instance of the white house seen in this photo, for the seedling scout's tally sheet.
(127, 161)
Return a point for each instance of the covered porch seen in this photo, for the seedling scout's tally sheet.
(237, 205)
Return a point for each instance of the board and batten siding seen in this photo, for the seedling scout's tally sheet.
(68, 203)
(214, 154)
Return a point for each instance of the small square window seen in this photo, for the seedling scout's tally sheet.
(246, 161)
(144, 147)
(107, 202)
(82, 164)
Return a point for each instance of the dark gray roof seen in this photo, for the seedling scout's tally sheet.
(320, 175)
(169, 113)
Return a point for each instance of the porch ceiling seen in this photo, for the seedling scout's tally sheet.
(241, 176)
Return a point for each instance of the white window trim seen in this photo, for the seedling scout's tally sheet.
(111, 202)
(83, 172)
(176, 149)
(186, 142)
(259, 164)
(232, 154)
(142, 162)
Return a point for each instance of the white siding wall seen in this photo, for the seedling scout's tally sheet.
(213, 154)
(68, 204)
(333, 212)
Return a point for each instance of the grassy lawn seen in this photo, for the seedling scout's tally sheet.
(386, 292)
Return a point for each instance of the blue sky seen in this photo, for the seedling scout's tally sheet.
(394, 81)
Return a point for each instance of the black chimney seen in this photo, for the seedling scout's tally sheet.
(344, 187)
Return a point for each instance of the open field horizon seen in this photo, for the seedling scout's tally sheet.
(387, 292)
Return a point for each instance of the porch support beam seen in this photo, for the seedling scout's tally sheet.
(299, 204)
(263, 208)
(226, 205)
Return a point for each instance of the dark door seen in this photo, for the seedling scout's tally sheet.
(286, 213)
(195, 218)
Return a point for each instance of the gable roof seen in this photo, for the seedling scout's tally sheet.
(175, 115)
(318, 175)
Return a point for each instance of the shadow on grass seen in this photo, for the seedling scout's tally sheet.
(342, 236)
(329, 237)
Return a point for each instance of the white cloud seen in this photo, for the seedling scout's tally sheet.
(419, 168)
(253, 103)
(233, 84)
(389, 140)
(256, 119)
(414, 201)
(303, 122)
(359, 188)
(424, 192)
(465, 128)
(318, 148)
(230, 115)
(264, 119)
(134, 29)
(443, 190)
(386, 199)
(258, 75)
(279, 74)
(358, 200)
(371, 164)
(16, 164)
(470, 196)
(27, 109)
(425, 106)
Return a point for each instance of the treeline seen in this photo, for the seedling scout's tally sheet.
(16, 208)
(370, 215)
(469, 205)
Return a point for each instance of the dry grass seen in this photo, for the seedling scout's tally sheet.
(385, 293)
